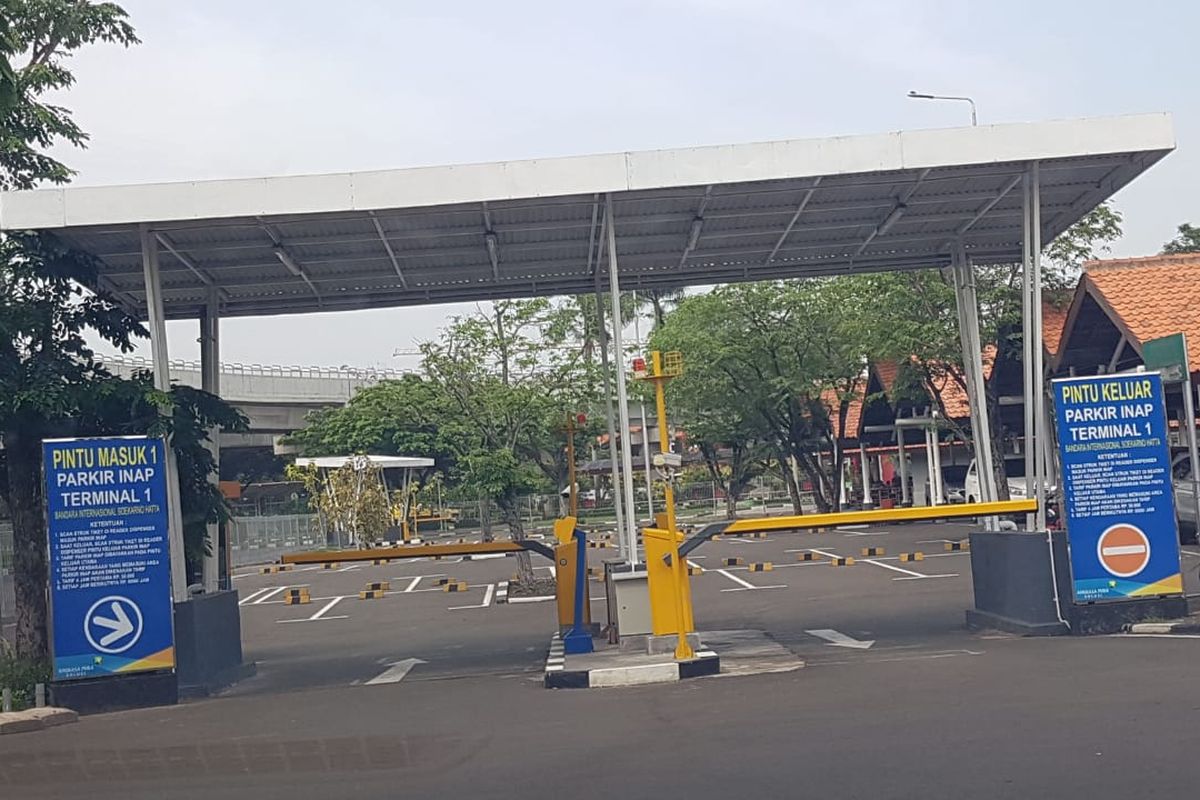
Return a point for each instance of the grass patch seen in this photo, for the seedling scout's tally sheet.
(21, 675)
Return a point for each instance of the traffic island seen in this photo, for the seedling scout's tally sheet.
(611, 666)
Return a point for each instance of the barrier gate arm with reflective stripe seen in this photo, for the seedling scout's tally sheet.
(880, 515)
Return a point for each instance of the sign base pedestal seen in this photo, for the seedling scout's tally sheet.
(1013, 591)
(116, 692)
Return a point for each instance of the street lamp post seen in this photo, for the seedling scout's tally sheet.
(924, 96)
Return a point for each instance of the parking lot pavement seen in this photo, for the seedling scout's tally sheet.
(1034, 718)
(877, 609)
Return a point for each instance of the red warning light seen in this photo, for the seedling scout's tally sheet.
(581, 419)
(639, 365)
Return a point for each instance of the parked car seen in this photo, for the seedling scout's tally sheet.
(1014, 472)
(954, 478)
(1183, 489)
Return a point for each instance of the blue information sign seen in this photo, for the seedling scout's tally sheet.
(1120, 511)
(110, 580)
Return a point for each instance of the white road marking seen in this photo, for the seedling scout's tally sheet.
(911, 574)
(539, 599)
(862, 533)
(745, 586)
(395, 671)
(1190, 553)
(825, 553)
(251, 596)
(414, 583)
(487, 599)
(851, 527)
(937, 541)
(352, 566)
(270, 593)
(320, 613)
(839, 639)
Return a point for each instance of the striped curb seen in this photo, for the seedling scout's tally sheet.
(1189, 626)
(557, 676)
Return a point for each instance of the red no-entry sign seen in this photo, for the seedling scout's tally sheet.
(1124, 550)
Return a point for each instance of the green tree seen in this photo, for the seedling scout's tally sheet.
(410, 416)
(773, 361)
(510, 381)
(46, 367)
(1187, 241)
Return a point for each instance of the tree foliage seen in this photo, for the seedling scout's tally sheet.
(351, 499)
(1187, 240)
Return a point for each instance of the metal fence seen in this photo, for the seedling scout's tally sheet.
(259, 540)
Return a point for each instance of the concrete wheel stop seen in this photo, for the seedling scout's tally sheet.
(612, 665)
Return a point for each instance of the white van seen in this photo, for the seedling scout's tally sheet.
(1014, 471)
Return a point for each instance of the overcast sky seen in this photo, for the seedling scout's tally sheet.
(263, 87)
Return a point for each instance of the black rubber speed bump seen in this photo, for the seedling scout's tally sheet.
(872, 551)
(842, 561)
(371, 594)
(965, 544)
(378, 586)
(455, 586)
(807, 557)
(733, 561)
(762, 566)
(296, 597)
(918, 556)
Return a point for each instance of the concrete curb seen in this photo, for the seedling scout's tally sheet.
(35, 719)
(1179, 626)
(557, 676)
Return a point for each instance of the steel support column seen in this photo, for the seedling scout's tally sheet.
(902, 456)
(162, 381)
(637, 334)
(609, 412)
(1035, 334)
(1027, 345)
(865, 465)
(210, 381)
(614, 292)
(967, 305)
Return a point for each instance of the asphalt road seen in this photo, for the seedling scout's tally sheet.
(930, 710)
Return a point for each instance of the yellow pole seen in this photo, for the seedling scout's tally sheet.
(683, 649)
(574, 503)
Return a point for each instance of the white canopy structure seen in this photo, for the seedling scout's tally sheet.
(383, 462)
(637, 220)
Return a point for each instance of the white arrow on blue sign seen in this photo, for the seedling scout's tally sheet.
(119, 624)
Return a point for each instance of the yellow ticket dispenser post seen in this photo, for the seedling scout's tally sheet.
(666, 571)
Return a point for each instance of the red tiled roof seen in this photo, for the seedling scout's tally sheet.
(1054, 319)
(1152, 296)
(853, 410)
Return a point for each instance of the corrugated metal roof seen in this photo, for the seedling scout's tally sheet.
(693, 216)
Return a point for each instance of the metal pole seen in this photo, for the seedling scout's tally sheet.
(162, 381)
(936, 440)
(618, 509)
(1027, 344)
(210, 381)
(1039, 374)
(614, 291)
(1189, 410)
(902, 456)
(637, 333)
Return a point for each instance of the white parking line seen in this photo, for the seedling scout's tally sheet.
(252, 595)
(271, 593)
(414, 583)
(745, 586)
(352, 566)
(911, 575)
(487, 599)
(319, 615)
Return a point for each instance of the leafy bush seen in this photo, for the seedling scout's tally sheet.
(21, 675)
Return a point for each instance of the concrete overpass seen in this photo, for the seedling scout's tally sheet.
(276, 399)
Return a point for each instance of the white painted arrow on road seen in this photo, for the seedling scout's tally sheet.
(120, 627)
(839, 639)
(396, 671)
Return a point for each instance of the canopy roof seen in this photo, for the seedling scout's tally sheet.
(383, 462)
(698, 215)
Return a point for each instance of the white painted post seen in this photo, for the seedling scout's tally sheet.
(162, 381)
(868, 502)
(637, 334)
(210, 381)
(614, 292)
(1027, 345)
(1039, 371)
(936, 440)
(902, 455)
